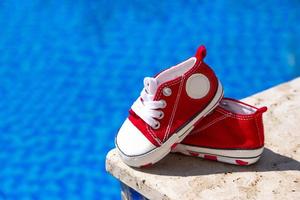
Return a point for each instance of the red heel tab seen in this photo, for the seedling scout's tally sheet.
(262, 109)
(201, 52)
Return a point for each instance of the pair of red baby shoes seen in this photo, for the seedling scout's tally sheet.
(182, 109)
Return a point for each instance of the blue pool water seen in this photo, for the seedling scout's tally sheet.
(69, 71)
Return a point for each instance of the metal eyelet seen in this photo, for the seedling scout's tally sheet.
(157, 125)
(161, 115)
(164, 103)
(167, 91)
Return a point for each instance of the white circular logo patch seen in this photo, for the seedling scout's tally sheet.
(197, 86)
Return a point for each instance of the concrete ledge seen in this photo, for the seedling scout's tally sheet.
(275, 176)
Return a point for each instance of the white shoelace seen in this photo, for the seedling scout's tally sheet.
(145, 107)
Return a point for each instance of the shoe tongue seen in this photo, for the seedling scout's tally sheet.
(150, 85)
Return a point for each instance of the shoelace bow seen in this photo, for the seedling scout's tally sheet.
(145, 107)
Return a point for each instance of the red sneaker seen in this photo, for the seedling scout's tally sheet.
(169, 106)
(233, 133)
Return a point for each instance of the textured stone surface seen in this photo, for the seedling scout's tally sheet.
(275, 176)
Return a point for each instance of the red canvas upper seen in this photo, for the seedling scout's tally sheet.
(180, 107)
(226, 129)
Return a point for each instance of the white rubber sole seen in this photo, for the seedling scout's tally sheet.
(232, 156)
(158, 153)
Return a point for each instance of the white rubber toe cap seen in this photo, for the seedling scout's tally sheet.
(131, 142)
